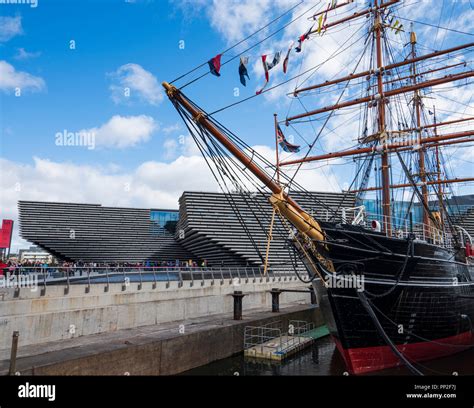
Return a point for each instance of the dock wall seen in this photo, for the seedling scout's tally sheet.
(55, 315)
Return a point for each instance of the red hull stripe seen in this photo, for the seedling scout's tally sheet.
(366, 359)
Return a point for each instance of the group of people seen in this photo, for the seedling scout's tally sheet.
(29, 266)
(17, 268)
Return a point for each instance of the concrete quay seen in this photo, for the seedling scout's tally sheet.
(50, 315)
(164, 349)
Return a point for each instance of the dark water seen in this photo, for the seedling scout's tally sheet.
(324, 359)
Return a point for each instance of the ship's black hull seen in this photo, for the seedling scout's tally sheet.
(422, 296)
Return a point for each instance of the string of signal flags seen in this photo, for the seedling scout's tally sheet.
(269, 63)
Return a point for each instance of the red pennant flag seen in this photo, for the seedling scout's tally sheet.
(215, 65)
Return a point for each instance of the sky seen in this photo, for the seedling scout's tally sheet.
(95, 67)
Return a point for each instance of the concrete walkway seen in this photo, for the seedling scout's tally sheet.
(164, 349)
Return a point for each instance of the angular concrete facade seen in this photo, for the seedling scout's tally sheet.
(92, 233)
(211, 229)
(224, 230)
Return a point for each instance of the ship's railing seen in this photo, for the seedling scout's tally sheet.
(463, 235)
(402, 227)
(57, 275)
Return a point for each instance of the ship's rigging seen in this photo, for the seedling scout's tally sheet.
(398, 152)
(392, 123)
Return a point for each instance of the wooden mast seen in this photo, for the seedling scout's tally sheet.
(386, 204)
(270, 232)
(438, 173)
(421, 151)
(275, 119)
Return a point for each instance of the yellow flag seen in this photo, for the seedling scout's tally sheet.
(320, 23)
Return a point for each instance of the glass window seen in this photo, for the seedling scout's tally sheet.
(164, 221)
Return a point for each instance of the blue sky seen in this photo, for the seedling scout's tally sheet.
(139, 159)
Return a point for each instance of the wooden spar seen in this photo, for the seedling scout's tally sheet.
(430, 183)
(386, 203)
(433, 145)
(385, 68)
(333, 8)
(357, 15)
(393, 146)
(450, 142)
(421, 152)
(374, 136)
(280, 200)
(393, 92)
(419, 74)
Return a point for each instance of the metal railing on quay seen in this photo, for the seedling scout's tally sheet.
(89, 275)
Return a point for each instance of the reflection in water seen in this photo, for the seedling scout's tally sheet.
(323, 359)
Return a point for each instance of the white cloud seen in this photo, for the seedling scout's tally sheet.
(123, 131)
(183, 145)
(22, 54)
(150, 185)
(10, 27)
(10, 79)
(235, 19)
(133, 82)
(171, 128)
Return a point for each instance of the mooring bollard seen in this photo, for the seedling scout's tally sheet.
(313, 295)
(238, 295)
(275, 300)
(12, 369)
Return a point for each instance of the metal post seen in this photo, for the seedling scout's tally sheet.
(66, 289)
(238, 296)
(43, 290)
(124, 285)
(313, 295)
(106, 287)
(275, 300)
(88, 287)
(140, 285)
(12, 369)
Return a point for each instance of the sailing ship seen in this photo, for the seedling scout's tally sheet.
(417, 300)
